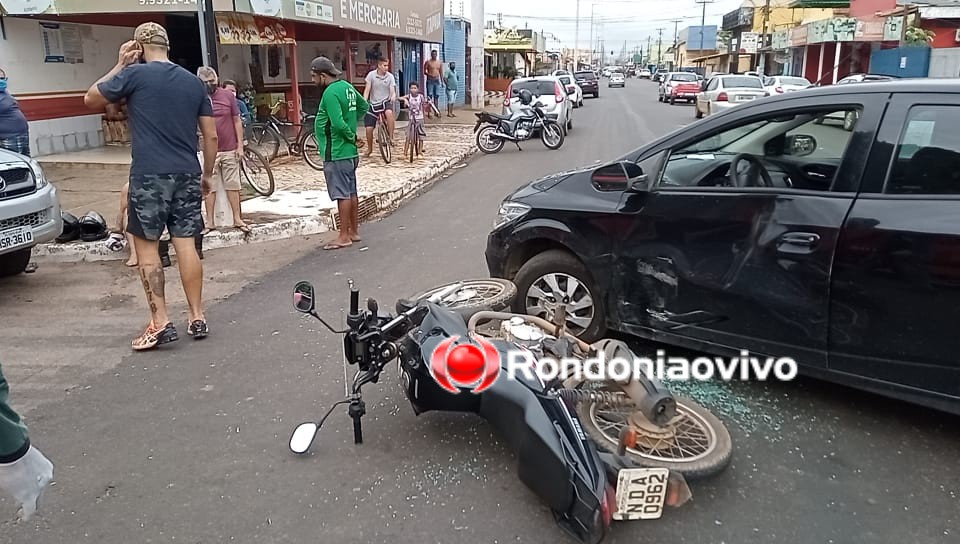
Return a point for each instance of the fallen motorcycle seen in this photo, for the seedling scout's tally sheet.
(520, 126)
(640, 441)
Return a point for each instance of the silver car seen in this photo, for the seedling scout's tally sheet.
(727, 91)
(29, 211)
(549, 91)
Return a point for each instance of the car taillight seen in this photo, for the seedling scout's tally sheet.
(558, 92)
(506, 99)
(779, 89)
(722, 97)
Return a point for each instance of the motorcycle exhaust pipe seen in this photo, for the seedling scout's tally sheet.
(503, 136)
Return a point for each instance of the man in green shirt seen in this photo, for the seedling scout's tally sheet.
(341, 106)
(452, 82)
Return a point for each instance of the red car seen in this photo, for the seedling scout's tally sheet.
(679, 86)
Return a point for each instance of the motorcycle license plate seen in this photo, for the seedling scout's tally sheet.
(16, 237)
(641, 493)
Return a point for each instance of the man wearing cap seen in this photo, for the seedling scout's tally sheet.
(167, 185)
(341, 107)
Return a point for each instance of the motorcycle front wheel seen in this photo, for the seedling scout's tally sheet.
(552, 135)
(475, 295)
(696, 445)
(486, 142)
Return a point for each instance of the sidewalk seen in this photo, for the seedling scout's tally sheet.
(91, 181)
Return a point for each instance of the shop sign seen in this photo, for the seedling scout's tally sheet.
(780, 40)
(28, 7)
(798, 36)
(748, 42)
(268, 8)
(243, 29)
(839, 29)
(314, 10)
(893, 29)
(869, 31)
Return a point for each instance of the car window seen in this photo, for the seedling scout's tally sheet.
(800, 151)
(768, 81)
(743, 82)
(713, 84)
(927, 161)
(686, 76)
(565, 80)
(539, 87)
(585, 75)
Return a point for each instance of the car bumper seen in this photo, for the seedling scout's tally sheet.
(496, 253)
(718, 106)
(41, 210)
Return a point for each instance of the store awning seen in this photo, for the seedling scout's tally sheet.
(713, 56)
(819, 4)
(243, 29)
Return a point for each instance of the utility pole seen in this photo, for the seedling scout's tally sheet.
(648, 49)
(762, 64)
(477, 99)
(659, 45)
(576, 41)
(591, 33)
(703, 21)
(208, 34)
(676, 37)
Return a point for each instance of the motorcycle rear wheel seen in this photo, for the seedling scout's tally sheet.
(475, 295)
(697, 446)
(486, 143)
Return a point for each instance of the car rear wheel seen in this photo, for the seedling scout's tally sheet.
(673, 101)
(554, 277)
(14, 263)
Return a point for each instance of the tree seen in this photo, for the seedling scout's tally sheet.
(917, 36)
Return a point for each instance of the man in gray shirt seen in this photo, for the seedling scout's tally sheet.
(381, 93)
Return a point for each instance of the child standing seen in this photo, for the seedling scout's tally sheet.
(417, 103)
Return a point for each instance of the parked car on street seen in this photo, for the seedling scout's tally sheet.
(679, 86)
(727, 91)
(574, 92)
(774, 85)
(589, 83)
(645, 74)
(617, 80)
(29, 211)
(551, 94)
(758, 229)
(658, 75)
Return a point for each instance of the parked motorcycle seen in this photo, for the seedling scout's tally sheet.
(520, 126)
(639, 440)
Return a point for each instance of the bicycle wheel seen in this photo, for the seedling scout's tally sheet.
(264, 140)
(256, 171)
(310, 150)
(384, 142)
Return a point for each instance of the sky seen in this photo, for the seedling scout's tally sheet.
(616, 20)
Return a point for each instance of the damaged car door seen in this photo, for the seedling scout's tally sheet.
(733, 245)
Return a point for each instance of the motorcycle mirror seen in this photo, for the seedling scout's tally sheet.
(303, 299)
(302, 437)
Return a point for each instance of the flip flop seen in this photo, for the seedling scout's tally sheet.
(332, 246)
(205, 232)
(242, 228)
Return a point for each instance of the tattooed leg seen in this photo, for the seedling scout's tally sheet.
(151, 275)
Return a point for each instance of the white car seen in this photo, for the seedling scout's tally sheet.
(678, 86)
(29, 211)
(727, 91)
(606, 72)
(645, 74)
(574, 91)
(775, 85)
(549, 91)
(617, 80)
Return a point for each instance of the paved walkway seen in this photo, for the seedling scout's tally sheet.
(299, 206)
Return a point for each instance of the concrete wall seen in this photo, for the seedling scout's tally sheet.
(22, 57)
(945, 62)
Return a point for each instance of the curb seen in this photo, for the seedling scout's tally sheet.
(386, 202)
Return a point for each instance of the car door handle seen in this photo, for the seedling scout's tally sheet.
(798, 239)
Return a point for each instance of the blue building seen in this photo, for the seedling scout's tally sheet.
(454, 49)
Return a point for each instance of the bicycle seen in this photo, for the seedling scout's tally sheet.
(382, 134)
(256, 172)
(266, 136)
(413, 145)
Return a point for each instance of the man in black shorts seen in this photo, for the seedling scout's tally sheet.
(165, 103)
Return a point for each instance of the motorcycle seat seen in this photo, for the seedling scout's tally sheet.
(498, 116)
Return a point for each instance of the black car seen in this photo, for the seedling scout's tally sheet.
(760, 229)
(588, 82)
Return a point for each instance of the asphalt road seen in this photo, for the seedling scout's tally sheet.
(188, 443)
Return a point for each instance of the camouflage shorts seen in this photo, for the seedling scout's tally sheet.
(171, 201)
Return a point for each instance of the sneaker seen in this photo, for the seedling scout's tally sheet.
(153, 337)
(198, 329)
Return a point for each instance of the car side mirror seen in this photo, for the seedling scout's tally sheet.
(800, 145)
(618, 176)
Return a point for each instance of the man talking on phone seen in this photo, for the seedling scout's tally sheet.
(165, 103)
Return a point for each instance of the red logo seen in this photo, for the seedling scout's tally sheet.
(465, 365)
